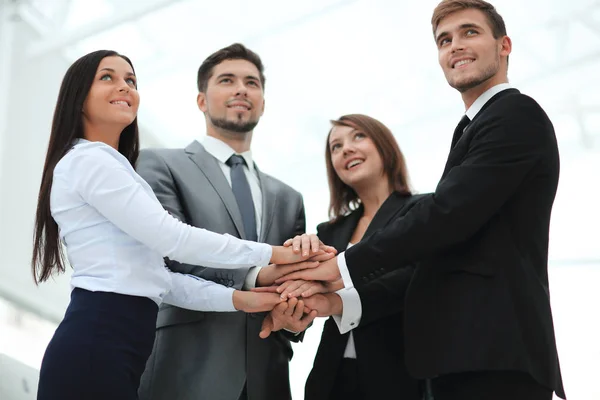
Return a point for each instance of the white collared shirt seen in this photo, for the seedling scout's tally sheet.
(352, 308)
(484, 98)
(116, 234)
(222, 151)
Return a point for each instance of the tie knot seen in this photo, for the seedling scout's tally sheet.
(235, 160)
(464, 121)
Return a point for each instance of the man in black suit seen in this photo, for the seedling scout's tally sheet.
(478, 319)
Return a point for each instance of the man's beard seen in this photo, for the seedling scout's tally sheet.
(236, 126)
(486, 74)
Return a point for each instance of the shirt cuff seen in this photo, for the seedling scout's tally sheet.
(251, 277)
(266, 252)
(352, 311)
(295, 333)
(341, 262)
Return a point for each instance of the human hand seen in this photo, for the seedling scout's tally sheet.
(291, 289)
(324, 304)
(267, 275)
(287, 315)
(308, 241)
(252, 302)
(327, 271)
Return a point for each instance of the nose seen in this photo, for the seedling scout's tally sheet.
(124, 87)
(241, 89)
(457, 45)
(348, 149)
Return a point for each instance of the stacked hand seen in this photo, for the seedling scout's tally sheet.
(303, 276)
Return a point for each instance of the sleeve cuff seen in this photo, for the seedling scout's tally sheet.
(292, 332)
(251, 277)
(341, 262)
(352, 311)
(266, 252)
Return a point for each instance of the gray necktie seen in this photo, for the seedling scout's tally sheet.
(243, 195)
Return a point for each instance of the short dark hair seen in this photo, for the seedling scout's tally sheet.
(342, 198)
(67, 125)
(447, 7)
(236, 51)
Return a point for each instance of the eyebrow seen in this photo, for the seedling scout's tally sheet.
(113, 71)
(462, 27)
(230, 75)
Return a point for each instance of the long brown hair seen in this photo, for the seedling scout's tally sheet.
(67, 125)
(342, 198)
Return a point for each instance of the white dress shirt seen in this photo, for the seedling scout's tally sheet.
(222, 151)
(352, 312)
(116, 234)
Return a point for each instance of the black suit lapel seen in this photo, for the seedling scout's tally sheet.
(459, 139)
(339, 233)
(390, 207)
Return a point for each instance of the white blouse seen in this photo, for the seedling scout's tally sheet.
(116, 234)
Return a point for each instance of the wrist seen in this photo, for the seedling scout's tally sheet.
(263, 278)
(238, 300)
(337, 306)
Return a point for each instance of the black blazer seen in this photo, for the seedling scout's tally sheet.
(378, 338)
(479, 299)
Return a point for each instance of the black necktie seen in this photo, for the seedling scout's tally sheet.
(460, 128)
(243, 195)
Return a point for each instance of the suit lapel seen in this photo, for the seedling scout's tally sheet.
(457, 151)
(269, 204)
(209, 166)
(390, 207)
(341, 233)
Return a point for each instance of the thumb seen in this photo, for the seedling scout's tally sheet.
(267, 327)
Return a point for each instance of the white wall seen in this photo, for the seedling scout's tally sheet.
(30, 92)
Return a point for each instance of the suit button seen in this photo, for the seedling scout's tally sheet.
(252, 315)
(382, 270)
(365, 279)
(372, 275)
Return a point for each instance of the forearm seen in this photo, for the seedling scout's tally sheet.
(198, 294)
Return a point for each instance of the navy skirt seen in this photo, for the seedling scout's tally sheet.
(100, 349)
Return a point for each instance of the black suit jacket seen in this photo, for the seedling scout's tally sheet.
(479, 299)
(378, 338)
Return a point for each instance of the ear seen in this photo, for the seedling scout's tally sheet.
(263, 108)
(201, 100)
(505, 46)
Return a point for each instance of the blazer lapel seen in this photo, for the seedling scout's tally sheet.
(457, 151)
(209, 166)
(390, 207)
(269, 204)
(343, 232)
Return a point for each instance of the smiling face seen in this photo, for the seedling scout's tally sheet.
(113, 99)
(234, 99)
(471, 58)
(355, 158)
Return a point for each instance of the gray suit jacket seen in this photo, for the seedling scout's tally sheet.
(211, 355)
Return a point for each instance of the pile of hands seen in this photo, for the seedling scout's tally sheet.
(293, 289)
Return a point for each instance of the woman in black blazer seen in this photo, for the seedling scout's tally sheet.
(369, 188)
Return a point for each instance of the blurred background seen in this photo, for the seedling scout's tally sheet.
(323, 58)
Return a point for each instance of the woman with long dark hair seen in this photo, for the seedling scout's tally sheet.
(116, 234)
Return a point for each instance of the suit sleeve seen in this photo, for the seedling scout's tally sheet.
(155, 171)
(506, 147)
(384, 296)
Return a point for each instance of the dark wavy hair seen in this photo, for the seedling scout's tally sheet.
(342, 198)
(67, 125)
